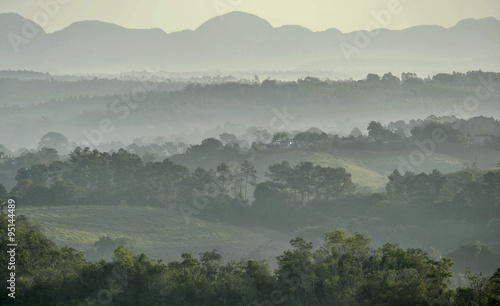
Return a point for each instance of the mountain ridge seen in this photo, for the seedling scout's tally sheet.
(224, 17)
(243, 41)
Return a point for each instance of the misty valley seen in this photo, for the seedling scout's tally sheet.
(245, 163)
(383, 205)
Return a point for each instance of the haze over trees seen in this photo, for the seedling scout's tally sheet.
(245, 164)
(303, 198)
(420, 237)
(148, 109)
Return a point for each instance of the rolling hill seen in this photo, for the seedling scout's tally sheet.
(161, 233)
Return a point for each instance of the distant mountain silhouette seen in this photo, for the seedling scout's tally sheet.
(234, 24)
(242, 41)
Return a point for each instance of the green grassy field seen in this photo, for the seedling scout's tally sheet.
(158, 232)
(369, 169)
(163, 234)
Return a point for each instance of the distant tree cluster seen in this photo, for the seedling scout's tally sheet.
(462, 195)
(306, 181)
(94, 177)
(122, 178)
(373, 92)
(448, 131)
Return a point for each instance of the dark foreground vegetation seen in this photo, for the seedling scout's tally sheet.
(344, 270)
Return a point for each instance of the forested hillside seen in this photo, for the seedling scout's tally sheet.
(154, 106)
(426, 210)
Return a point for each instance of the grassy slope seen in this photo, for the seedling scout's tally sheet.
(164, 234)
(158, 232)
(368, 168)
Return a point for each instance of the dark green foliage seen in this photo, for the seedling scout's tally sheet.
(481, 291)
(306, 181)
(311, 137)
(345, 270)
(475, 256)
(44, 272)
(375, 129)
(3, 192)
(433, 129)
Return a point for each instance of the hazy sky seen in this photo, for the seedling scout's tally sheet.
(175, 15)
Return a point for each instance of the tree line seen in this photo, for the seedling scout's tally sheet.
(101, 178)
(420, 209)
(343, 270)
